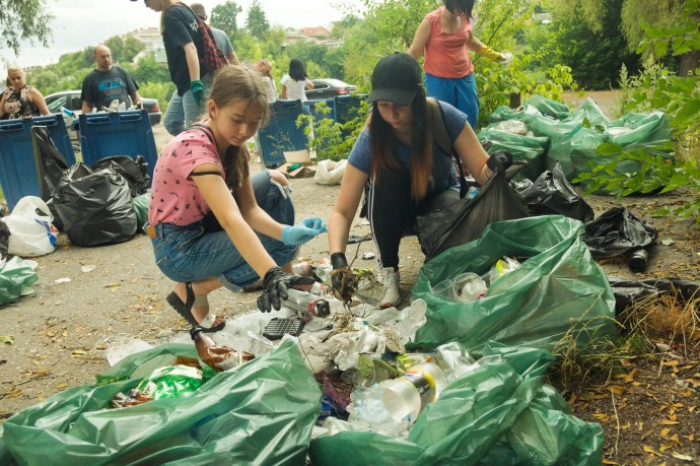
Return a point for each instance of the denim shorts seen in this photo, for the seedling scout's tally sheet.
(203, 250)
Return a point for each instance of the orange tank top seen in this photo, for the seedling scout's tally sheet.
(446, 54)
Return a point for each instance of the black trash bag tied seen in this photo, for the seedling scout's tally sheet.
(95, 206)
(617, 232)
(629, 291)
(551, 193)
(465, 220)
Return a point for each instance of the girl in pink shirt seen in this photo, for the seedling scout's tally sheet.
(212, 224)
(444, 36)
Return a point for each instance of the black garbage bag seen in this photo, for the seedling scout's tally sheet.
(551, 194)
(617, 232)
(95, 206)
(628, 291)
(464, 220)
(51, 164)
(135, 171)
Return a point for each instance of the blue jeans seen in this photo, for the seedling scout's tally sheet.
(459, 92)
(183, 111)
(203, 250)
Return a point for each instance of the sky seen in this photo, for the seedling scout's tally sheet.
(80, 23)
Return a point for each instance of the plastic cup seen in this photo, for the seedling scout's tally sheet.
(444, 290)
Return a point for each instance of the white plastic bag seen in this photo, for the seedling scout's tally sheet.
(31, 231)
(329, 172)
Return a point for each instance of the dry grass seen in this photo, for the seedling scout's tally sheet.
(655, 323)
(666, 318)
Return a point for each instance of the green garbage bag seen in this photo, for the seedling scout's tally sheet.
(557, 290)
(260, 413)
(547, 434)
(648, 132)
(471, 416)
(643, 128)
(16, 276)
(141, 207)
(548, 107)
(503, 112)
(562, 133)
(527, 149)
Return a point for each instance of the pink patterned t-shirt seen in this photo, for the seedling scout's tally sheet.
(175, 197)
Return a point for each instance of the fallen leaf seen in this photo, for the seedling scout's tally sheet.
(61, 385)
(617, 389)
(666, 446)
(651, 450)
(667, 422)
(79, 351)
(610, 462)
(678, 456)
(9, 339)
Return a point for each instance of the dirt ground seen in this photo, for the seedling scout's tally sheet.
(63, 332)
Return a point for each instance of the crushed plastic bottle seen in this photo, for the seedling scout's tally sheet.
(402, 398)
(219, 358)
(307, 304)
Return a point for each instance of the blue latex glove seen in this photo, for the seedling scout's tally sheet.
(304, 231)
(197, 89)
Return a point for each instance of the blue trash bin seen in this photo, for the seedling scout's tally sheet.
(281, 133)
(128, 133)
(320, 116)
(18, 173)
(347, 107)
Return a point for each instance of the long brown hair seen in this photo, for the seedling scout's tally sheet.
(382, 140)
(231, 83)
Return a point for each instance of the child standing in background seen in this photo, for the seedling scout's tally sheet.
(264, 67)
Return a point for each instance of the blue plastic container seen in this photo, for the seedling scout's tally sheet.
(281, 133)
(129, 133)
(18, 174)
(347, 107)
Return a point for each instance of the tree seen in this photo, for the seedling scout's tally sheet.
(24, 19)
(257, 23)
(115, 44)
(224, 17)
(633, 17)
(585, 36)
(132, 47)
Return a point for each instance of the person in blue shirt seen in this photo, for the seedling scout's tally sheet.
(397, 165)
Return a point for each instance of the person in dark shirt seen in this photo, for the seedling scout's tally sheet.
(108, 83)
(182, 40)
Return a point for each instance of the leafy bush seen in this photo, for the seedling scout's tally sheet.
(330, 139)
(160, 91)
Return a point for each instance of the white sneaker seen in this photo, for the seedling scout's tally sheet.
(390, 279)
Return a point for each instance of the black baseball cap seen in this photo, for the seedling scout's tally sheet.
(396, 78)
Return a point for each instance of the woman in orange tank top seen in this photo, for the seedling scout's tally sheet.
(444, 36)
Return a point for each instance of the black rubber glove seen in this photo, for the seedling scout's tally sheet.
(275, 285)
(500, 161)
(338, 261)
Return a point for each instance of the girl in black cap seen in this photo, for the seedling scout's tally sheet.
(405, 172)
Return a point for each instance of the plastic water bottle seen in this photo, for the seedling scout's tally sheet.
(402, 398)
(307, 304)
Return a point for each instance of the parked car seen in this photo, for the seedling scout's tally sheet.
(327, 88)
(71, 101)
